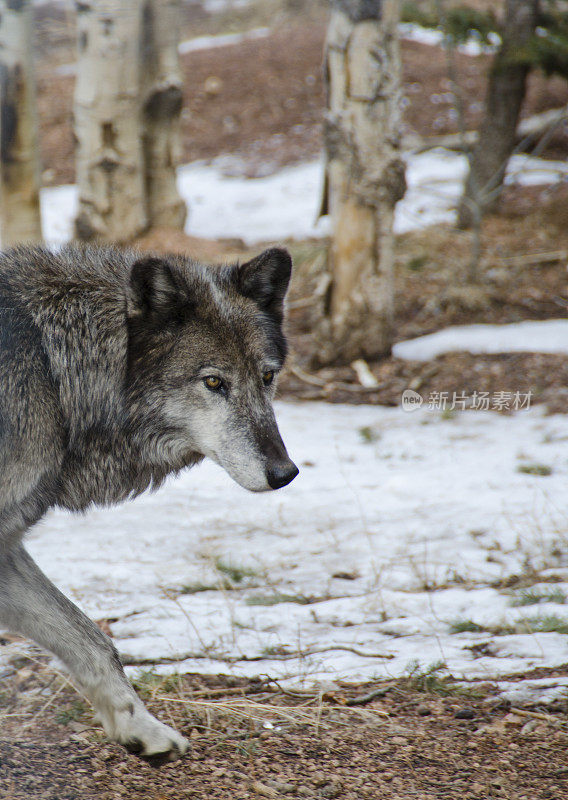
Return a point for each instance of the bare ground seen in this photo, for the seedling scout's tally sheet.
(423, 737)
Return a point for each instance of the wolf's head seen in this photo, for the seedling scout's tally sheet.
(209, 343)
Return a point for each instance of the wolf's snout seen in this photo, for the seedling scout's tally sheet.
(280, 469)
(281, 475)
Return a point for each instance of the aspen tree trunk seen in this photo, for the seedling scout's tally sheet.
(163, 97)
(364, 178)
(19, 160)
(505, 95)
(110, 163)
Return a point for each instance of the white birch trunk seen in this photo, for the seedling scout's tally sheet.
(365, 178)
(163, 97)
(19, 161)
(110, 163)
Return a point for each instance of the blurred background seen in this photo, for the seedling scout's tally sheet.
(248, 101)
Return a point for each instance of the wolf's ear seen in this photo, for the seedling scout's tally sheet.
(153, 291)
(265, 279)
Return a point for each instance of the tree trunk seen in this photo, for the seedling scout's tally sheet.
(110, 163)
(364, 178)
(505, 95)
(19, 161)
(162, 102)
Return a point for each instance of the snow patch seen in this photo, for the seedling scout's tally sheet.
(435, 38)
(435, 180)
(546, 336)
(223, 40)
(527, 692)
(279, 206)
(286, 204)
(216, 6)
(357, 569)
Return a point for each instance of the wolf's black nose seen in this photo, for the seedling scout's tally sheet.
(281, 475)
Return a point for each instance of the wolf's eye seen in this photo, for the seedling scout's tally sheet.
(213, 382)
(268, 377)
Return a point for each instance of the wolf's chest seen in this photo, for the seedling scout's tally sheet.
(101, 471)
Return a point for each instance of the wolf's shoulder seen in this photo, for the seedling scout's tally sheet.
(27, 268)
(73, 298)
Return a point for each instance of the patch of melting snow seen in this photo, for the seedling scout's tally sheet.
(541, 690)
(435, 38)
(541, 336)
(428, 521)
(222, 40)
(285, 204)
(435, 181)
(216, 6)
(192, 46)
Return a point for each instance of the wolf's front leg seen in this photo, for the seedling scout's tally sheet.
(31, 605)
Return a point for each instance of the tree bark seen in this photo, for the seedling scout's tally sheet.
(364, 178)
(19, 160)
(110, 162)
(162, 103)
(505, 95)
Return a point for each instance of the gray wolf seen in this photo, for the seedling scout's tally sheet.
(117, 369)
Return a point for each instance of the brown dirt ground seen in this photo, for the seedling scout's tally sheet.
(420, 739)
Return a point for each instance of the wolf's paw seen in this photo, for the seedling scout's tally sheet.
(143, 734)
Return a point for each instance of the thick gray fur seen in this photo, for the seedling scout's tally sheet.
(106, 363)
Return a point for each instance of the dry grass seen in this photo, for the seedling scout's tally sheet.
(313, 712)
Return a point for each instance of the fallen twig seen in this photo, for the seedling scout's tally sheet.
(363, 699)
(521, 712)
(309, 652)
(364, 374)
(134, 661)
(354, 387)
(232, 690)
(313, 380)
(528, 129)
(535, 259)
